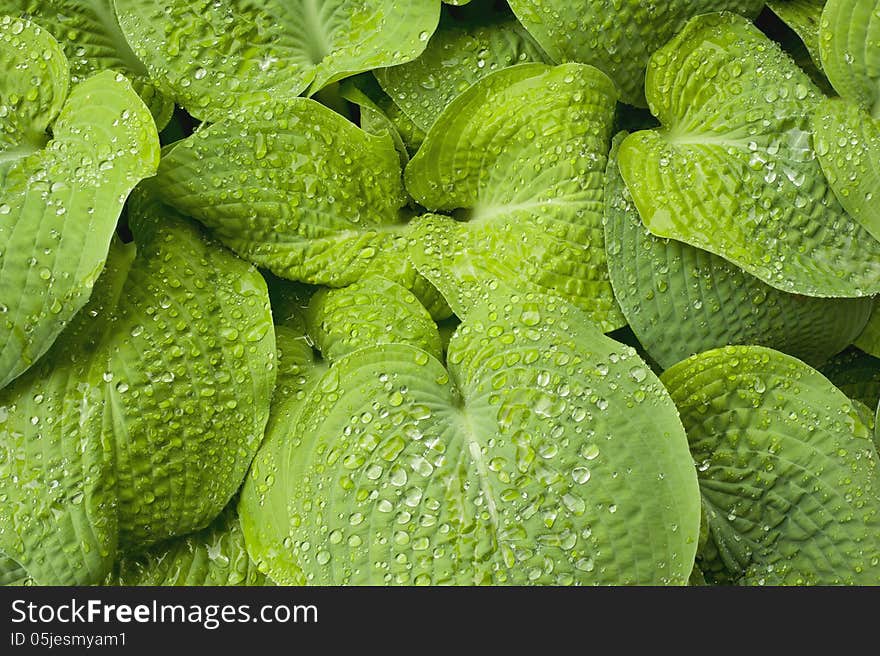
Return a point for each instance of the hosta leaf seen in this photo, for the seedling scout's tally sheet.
(140, 423)
(373, 118)
(847, 130)
(804, 17)
(850, 56)
(215, 555)
(60, 197)
(34, 88)
(301, 191)
(374, 311)
(732, 170)
(616, 37)
(216, 55)
(869, 340)
(787, 470)
(848, 145)
(857, 375)
(546, 453)
(521, 154)
(92, 40)
(459, 54)
(680, 300)
(264, 517)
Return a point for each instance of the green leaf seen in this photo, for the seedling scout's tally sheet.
(680, 300)
(848, 45)
(33, 91)
(869, 340)
(60, 196)
(616, 37)
(848, 129)
(264, 517)
(89, 33)
(545, 454)
(787, 471)
(458, 55)
(732, 170)
(857, 375)
(381, 111)
(804, 17)
(11, 573)
(521, 155)
(140, 423)
(373, 311)
(301, 191)
(847, 142)
(213, 556)
(213, 56)
(373, 119)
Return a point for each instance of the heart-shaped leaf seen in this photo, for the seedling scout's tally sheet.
(142, 420)
(545, 453)
(374, 311)
(213, 56)
(459, 54)
(92, 40)
(61, 195)
(787, 470)
(615, 36)
(521, 154)
(732, 170)
(680, 300)
(301, 191)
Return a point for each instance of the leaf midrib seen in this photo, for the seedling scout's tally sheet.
(474, 450)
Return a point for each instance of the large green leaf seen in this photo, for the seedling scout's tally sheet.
(33, 91)
(732, 170)
(848, 146)
(680, 300)
(545, 454)
(216, 55)
(264, 517)
(215, 555)
(848, 129)
(521, 155)
(850, 56)
(92, 40)
(616, 36)
(804, 17)
(141, 421)
(60, 196)
(374, 311)
(301, 191)
(458, 55)
(787, 470)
